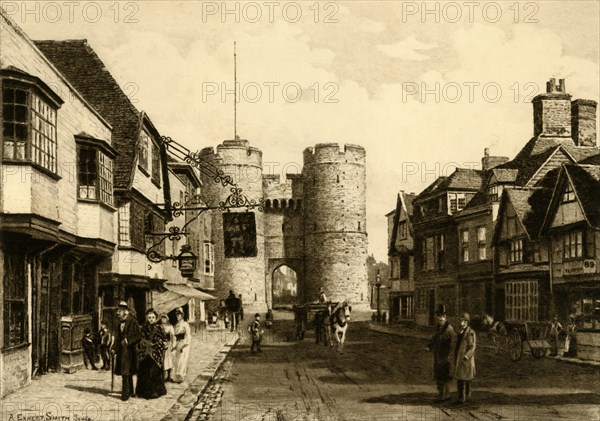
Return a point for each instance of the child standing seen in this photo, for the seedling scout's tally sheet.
(89, 349)
(257, 332)
(106, 343)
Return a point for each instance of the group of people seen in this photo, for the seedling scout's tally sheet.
(157, 352)
(453, 356)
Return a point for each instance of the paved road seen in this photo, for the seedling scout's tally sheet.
(384, 377)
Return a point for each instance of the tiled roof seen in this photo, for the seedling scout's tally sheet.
(586, 182)
(462, 179)
(537, 151)
(530, 206)
(76, 60)
(505, 175)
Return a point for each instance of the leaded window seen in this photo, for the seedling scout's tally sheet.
(28, 127)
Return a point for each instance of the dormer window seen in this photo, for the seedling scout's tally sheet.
(457, 201)
(143, 151)
(29, 111)
(149, 158)
(494, 193)
(569, 194)
(402, 230)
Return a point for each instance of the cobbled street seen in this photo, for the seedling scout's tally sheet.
(389, 376)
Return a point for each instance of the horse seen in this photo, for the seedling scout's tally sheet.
(497, 332)
(340, 316)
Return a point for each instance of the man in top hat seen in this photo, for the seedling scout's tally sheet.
(464, 358)
(127, 336)
(441, 344)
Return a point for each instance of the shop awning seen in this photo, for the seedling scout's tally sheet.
(176, 295)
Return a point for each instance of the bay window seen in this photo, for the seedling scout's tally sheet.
(94, 169)
(29, 109)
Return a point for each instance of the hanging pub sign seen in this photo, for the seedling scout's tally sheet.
(239, 231)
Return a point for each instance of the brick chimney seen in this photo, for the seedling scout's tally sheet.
(583, 122)
(552, 111)
(488, 162)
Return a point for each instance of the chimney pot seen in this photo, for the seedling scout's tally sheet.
(486, 152)
(561, 85)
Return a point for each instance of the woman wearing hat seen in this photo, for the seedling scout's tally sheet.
(169, 345)
(464, 358)
(151, 383)
(181, 354)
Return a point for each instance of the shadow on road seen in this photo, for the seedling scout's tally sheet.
(485, 398)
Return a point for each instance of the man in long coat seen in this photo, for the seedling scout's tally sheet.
(442, 345)
(127, 336)
(464, 358)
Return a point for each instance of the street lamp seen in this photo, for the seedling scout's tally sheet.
(378, 286)
(187, 261)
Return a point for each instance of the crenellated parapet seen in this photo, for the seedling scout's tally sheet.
(332, 152)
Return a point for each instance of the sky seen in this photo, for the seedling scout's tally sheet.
(423, 86)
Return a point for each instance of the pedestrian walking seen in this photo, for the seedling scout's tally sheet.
(169, 346)
(464, 358)
(256, 331)
(441, 344)
(555, 329)
(232, 304)
(127, 337)
(89, 349)
(150, 353)
(106, 343)
(181, 354)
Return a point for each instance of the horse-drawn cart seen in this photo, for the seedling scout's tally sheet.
(306, 316)
(529, 336)
(518, 337)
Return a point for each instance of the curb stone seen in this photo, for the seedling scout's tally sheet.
(417, 335)
(185, 404)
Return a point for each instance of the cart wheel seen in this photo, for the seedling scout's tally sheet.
(538, 352)
(515, 345)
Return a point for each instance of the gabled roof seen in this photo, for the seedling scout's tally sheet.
(403, 202)
(585, 180)
(76, 60)
(538, 150)
(529, 204)
(586, 183)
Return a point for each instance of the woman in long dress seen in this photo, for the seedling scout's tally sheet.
(181, 354)
(169, 345)
(151, 352)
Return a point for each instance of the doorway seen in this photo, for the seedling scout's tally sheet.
(284, 282)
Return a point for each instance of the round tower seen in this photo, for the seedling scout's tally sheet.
(335, 223)
(237, 267)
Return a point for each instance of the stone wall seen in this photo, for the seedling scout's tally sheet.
(244, 276)
(335, 223)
